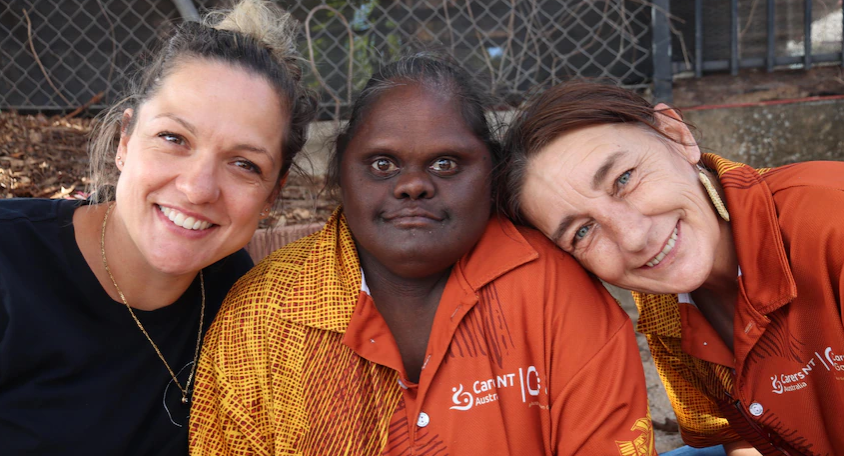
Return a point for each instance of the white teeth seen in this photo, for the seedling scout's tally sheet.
(665, 250)
(182, 220)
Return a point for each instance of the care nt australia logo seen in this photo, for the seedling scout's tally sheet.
(486, 391)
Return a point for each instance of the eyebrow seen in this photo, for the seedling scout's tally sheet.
(605, 168)
(192, 129)
(562, 228)
(178, 119)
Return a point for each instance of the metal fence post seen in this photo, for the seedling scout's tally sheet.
(187, 10)
(661, 50)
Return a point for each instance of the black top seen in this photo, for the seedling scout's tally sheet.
(77, 376)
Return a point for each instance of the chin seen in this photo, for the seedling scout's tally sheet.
(176, 265)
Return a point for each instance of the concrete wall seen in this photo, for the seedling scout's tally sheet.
(773, 134)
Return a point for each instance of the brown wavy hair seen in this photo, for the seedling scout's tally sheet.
(555, 112)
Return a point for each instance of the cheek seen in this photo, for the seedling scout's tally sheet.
(602, 259)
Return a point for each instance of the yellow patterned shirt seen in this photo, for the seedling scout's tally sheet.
(527, 355)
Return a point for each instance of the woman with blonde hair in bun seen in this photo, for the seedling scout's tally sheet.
(104, 303)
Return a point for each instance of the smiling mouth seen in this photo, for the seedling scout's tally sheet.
(669, 246)
(183, 221)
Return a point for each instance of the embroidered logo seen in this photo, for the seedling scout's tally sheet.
(486, 390)
(643, 445)
(464, 400)
(785, 383)
(830, 360)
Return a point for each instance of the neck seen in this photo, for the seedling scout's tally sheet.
(411, 292)
(723, 278)
(143, 287)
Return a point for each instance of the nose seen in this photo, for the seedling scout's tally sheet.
(198, 179)
(629, 227)
(414, 184)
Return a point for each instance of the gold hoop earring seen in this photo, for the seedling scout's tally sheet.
(713, 194)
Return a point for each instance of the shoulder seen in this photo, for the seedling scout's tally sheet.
(807, 196)
(32, 224)
(507, 250)
(222, 275)
(274, 275)
(573, 301)
(557, 268)
(818, 175)
(808, 199)
(31, 210)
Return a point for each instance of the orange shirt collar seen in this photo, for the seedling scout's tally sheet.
(766, 274)
(501, 248)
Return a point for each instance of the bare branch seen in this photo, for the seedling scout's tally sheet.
(38, 60)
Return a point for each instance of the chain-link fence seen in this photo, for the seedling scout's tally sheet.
(60, 55)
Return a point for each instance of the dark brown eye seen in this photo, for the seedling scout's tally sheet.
(384, 166)
(444, 165)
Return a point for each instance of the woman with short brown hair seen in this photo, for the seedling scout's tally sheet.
(738, 273)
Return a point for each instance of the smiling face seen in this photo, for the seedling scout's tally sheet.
(199, 165)
(627, 204)
(415, 183)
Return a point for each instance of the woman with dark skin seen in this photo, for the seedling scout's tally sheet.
(738, 273)
(417, 321)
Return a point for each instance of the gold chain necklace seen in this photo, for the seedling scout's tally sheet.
(184, 389)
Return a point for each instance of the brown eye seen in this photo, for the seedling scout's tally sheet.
(444, 165)
(384, 166)
(172, 138)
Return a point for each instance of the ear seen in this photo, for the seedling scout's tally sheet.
(671, 123)
(122, 146)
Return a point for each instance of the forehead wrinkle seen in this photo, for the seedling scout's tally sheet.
(555, 173)
(544, 178)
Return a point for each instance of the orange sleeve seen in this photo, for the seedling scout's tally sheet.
(604, 408)
(597, 390)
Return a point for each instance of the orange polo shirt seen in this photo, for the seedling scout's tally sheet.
(527, 355)
(782, 388)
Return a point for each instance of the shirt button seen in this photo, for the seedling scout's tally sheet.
(756, 409)
(423, 420)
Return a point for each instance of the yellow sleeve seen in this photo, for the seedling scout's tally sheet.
(220, 424)
(233, 404)
(700, 419)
